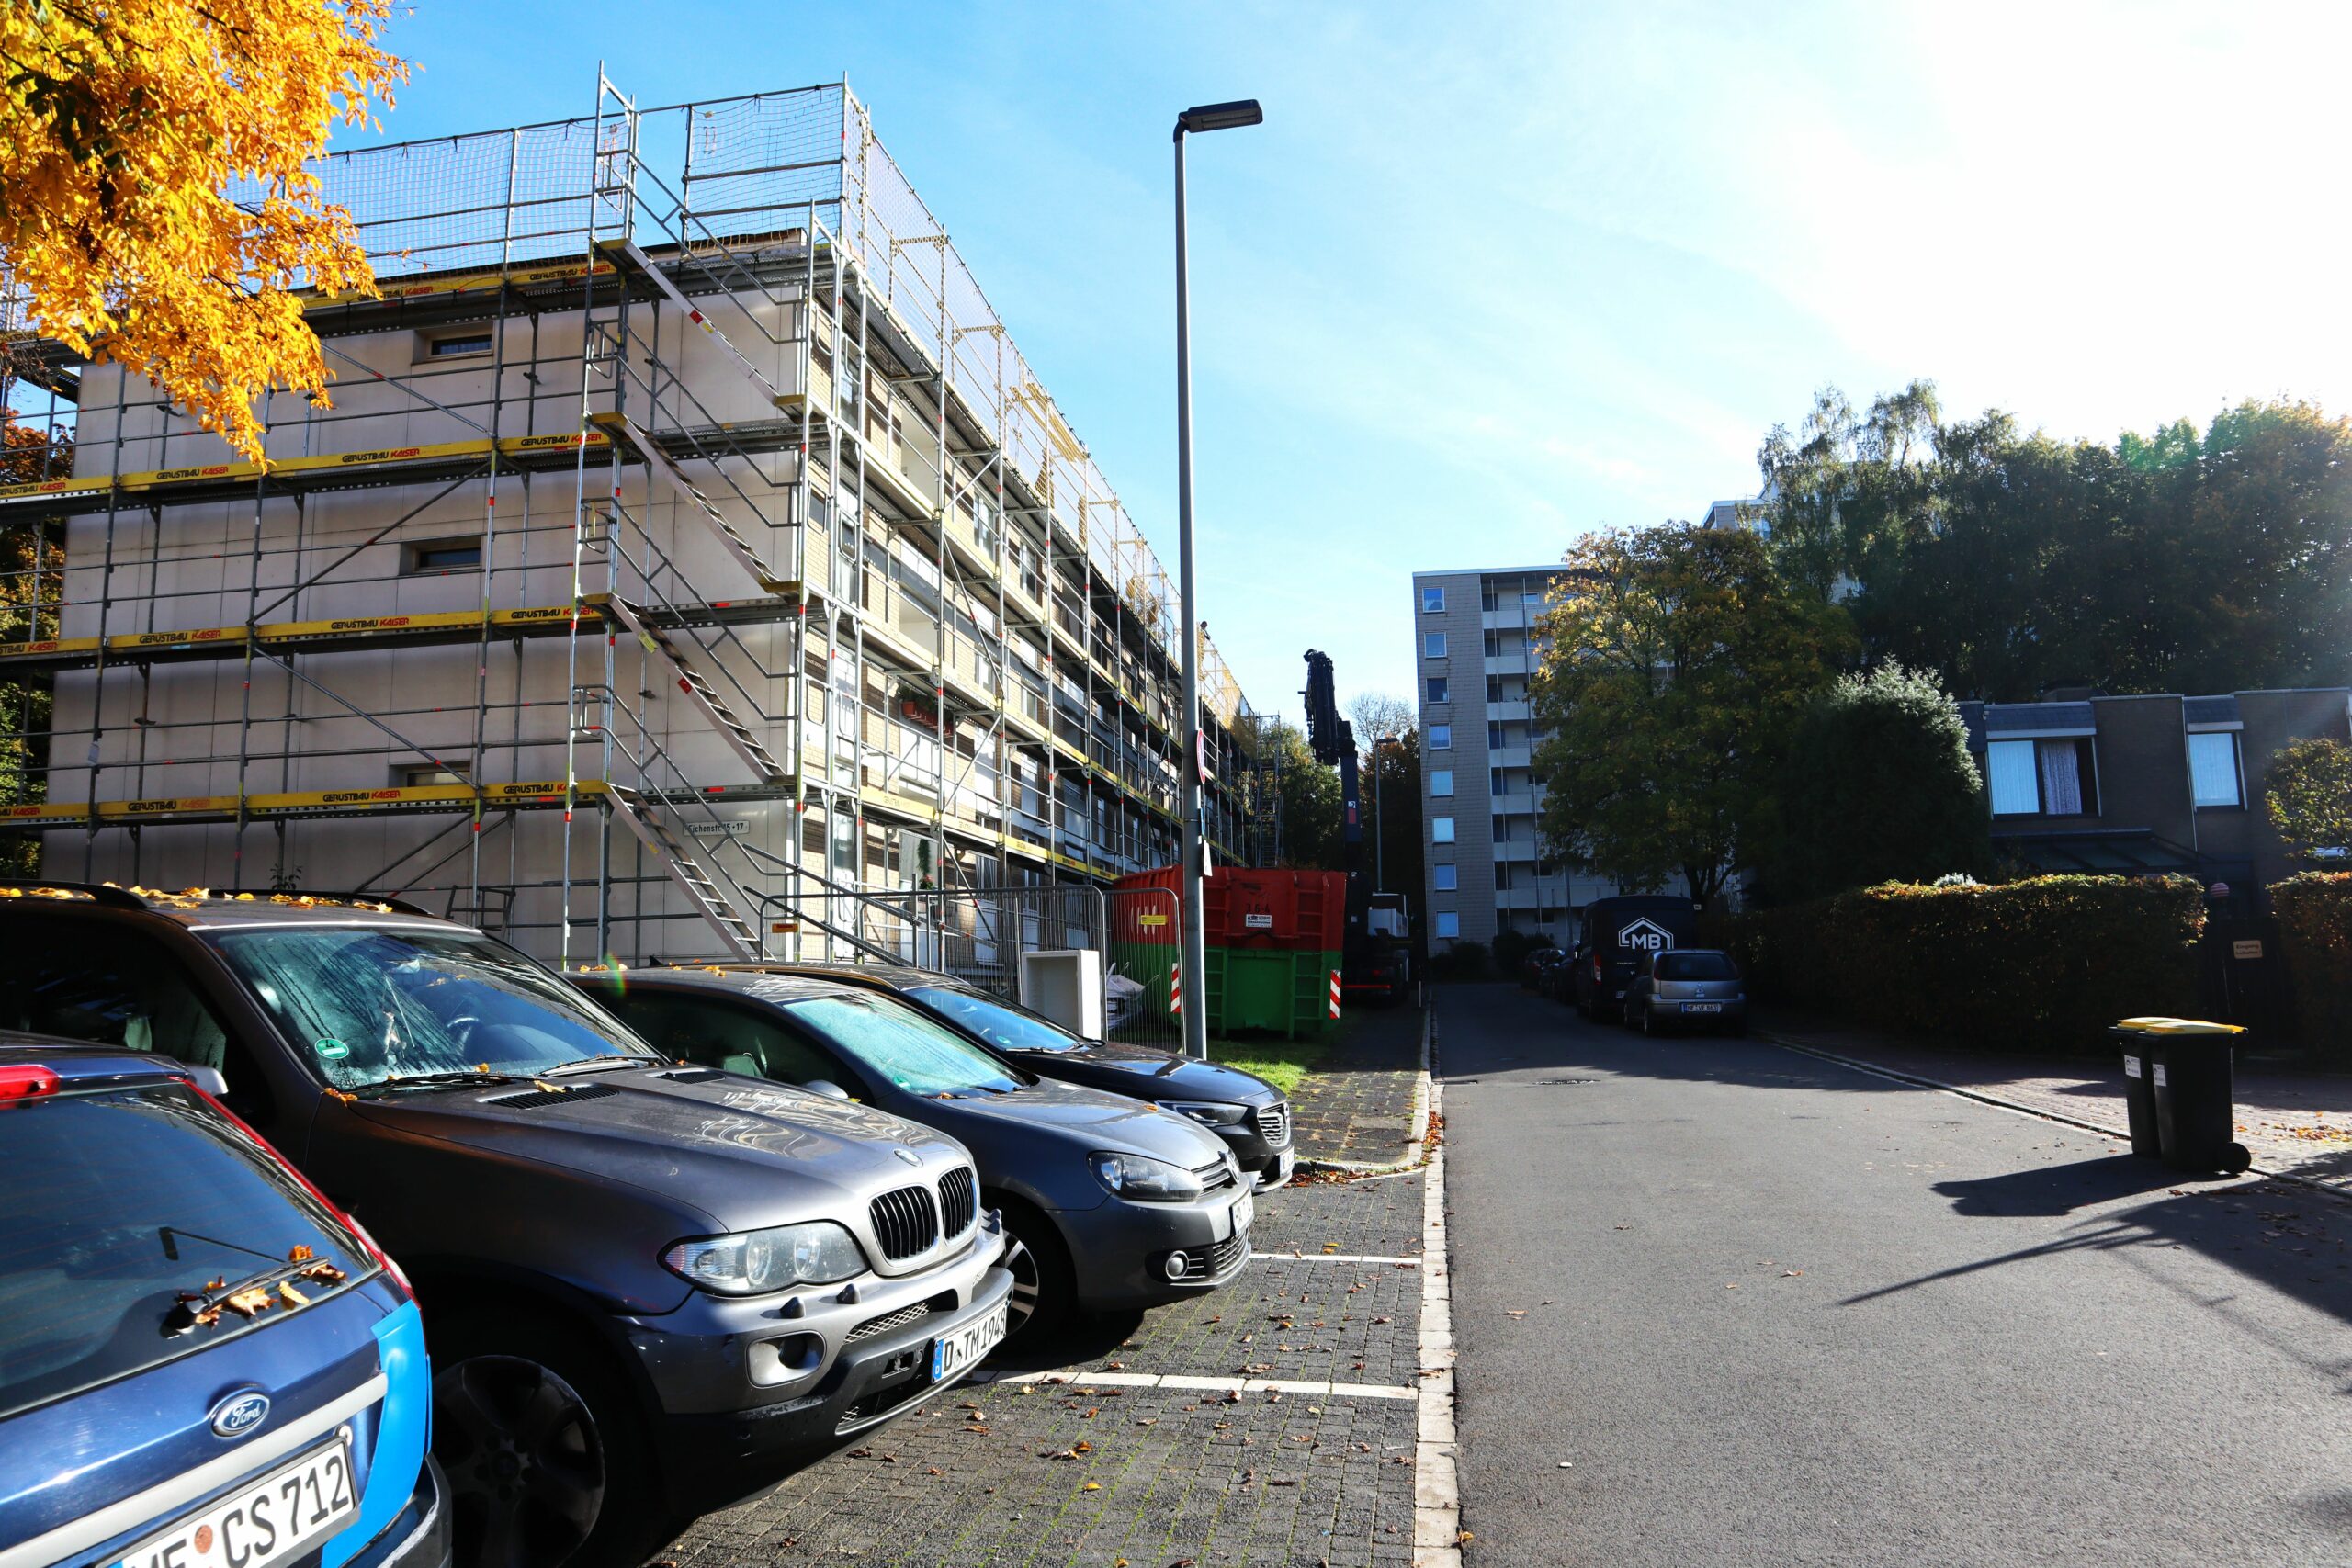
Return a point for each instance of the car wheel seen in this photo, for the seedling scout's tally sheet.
(1649, 1022)
(1044, 1286)
(542, 1445)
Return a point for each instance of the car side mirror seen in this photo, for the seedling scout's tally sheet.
(827, 1088)
(209, 1079)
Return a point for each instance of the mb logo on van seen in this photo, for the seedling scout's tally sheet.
(1645, 936)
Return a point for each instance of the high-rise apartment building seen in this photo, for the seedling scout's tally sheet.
(1484, 868)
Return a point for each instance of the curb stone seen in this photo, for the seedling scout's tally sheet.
(1417, 1136)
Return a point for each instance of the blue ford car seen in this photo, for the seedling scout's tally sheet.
(202, 1364)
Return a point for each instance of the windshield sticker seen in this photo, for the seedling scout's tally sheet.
(332, 1050)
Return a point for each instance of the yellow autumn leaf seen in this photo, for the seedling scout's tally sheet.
(157, 159)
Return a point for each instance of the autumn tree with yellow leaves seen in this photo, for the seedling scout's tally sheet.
(159, 199)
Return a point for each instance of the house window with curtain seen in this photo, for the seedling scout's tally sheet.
(1432, 601)
(1440, 737)
(1448, 923)
(1433, 645)
(1440, 829)
(1441, 782)
(1445, 875)
(2213, 770)
(2057, 777)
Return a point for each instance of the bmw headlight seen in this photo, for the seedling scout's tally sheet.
(753, 1262)
(1141, 1177)
(1210, 1112)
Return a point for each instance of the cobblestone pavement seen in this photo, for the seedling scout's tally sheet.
(1356, 1107)
(1043, 1466)
(2295, 1124)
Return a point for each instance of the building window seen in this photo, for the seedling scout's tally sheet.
(1448, 923)
(2213, 769)
(1489, 599)
(463, 344)
(1442, 781)
(421, 775)
(1440, 829)
(1494, 735)
(1432, 645)
(1441, 737)
(1442, 878)
(1494, 645)
(1437, 688)
(1494, 688)
(2043, 778)
(429, 558)
(1432, 601)
(1497, 782)
(1502, 876)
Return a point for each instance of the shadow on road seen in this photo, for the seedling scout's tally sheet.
(2296, 1243)
(2058, 1190)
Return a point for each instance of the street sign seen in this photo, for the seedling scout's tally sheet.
(2246, 950)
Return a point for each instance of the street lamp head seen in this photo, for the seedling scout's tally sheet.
(1220, 116)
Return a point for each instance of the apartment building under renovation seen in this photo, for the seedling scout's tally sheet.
(688, 564)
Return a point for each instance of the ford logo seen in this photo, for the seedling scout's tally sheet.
(240, 1413)
(909, 1156)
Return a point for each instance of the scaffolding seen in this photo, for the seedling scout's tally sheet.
(689, 565)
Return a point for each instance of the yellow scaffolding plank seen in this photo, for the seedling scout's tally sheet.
(304, 803)
(452, 625)
(381, 456)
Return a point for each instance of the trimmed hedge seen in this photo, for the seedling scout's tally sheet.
(2314, 913)
(2040, 964)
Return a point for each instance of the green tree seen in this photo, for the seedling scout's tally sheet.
(2008, 561)
(1878, 786)
(1678, 660)
(1312, 809)
(2308, 797)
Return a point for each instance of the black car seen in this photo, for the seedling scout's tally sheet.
(648, 1290)
(1247, 1112)
(1612, 936)
(1118, 1205)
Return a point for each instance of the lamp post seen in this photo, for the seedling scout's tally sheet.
(1193, 955)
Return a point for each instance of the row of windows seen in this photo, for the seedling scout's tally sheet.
(1440, 737)
(1433, 645)
(2059, 776)
(1499, 689)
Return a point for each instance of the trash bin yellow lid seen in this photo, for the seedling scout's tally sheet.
(2177, 1026)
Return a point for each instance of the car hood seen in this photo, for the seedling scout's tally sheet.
(740, 1151)
(1149, 1075)
(1078, 1114)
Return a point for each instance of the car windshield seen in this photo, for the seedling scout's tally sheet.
(114, 1204)
(897, 1042)
(1695, 967)
(373, 1005)
(1002, 1025)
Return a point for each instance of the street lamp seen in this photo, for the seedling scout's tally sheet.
(1193, 954)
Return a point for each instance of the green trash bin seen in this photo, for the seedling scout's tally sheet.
(2190, 1068)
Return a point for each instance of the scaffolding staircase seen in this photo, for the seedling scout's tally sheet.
(678, 862)
(627, 433)
(741, 737)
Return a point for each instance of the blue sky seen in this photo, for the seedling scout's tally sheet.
(1492, 275)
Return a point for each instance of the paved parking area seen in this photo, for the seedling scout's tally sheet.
(1270, 1423)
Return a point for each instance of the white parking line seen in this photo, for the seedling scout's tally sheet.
(1331, 1258)
(1079, 1382)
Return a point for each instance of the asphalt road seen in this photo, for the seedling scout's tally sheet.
(1777, 1311)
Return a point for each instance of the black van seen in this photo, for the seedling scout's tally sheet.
(1612, 934)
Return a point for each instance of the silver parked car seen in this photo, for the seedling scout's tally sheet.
(1696, 988)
